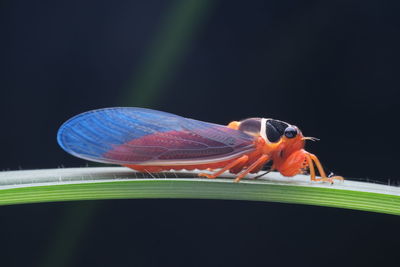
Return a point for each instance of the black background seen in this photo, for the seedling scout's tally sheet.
(330, 68)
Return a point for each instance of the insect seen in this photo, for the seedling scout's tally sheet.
(153, 141)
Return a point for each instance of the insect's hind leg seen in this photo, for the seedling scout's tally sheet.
(241, 160)
(256, 165)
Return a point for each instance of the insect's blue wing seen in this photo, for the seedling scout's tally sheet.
(145, 136)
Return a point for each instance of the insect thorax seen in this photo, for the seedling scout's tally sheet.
(251, 126)
(271, 130)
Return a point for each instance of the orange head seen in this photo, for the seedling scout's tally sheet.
(284, 143)
(289, 156)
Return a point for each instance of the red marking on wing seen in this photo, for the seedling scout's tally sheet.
(179, 145)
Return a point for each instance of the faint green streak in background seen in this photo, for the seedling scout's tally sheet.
(72, 225)
(176, 32)
(167, 51)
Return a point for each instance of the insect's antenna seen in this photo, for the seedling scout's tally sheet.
(311, 138)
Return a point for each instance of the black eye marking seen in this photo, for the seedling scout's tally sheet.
(272, 133)
(280, 126)
(290, 132)
(275, 130)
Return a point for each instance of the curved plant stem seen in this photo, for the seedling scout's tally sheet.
(17, 187)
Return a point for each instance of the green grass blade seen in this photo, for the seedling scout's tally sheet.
(18, 187)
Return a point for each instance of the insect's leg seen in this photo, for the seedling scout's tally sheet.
(312, 158)
(262, 174)
(271, 168)
(321, 169)
(240, 160)
(260, 161)
(311, 167)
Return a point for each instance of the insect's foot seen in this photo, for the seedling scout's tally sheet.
(340, 178)
(330, 179)
(207, 175)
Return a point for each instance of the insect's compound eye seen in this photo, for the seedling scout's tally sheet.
(290, 132)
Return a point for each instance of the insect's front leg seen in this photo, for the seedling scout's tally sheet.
(311, 159)
(243, 159)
